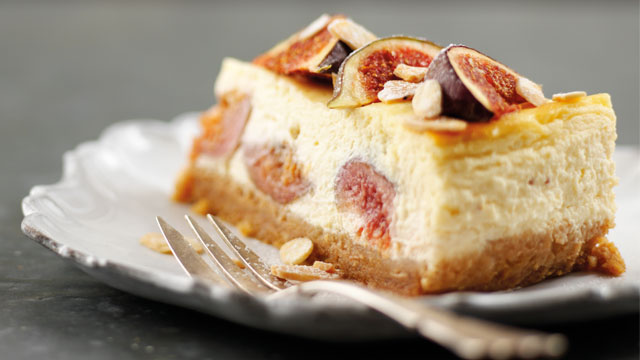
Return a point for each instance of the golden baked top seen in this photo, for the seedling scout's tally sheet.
(450, 90)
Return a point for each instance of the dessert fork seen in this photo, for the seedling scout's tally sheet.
(467, 337)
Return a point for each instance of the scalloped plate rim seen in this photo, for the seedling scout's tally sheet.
(488, 305)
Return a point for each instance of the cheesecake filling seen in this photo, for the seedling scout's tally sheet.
(454, 194)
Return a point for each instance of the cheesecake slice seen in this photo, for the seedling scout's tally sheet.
(400, 201)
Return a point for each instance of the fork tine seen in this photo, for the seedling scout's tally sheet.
(253, 262)
(238, 277)
(188, 258)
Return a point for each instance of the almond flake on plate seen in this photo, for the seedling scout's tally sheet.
(324, 266)
(352, 34)
(395, 90)
(156, 242)
(301, 273)
(296, 251)
(410, 73)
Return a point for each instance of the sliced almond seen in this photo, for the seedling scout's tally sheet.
(530, 91)
(301, 273)
(569, 96)
(315, 26)
(352, 34)
(156, 242)
(410, 73)
(324, 266)
(427, 101)
(442, 123)
(296, 251)
(395, 90)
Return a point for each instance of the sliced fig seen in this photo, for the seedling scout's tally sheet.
(363, 191)
(364, 72)
(274, 170)
(222, 126)
(332, 61)
(313, 51)
(474, 87)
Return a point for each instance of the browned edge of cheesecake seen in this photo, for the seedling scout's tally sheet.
(504, 264)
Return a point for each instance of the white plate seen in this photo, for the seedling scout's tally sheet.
(113, 188)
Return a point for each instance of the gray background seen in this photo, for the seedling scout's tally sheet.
(70, 68)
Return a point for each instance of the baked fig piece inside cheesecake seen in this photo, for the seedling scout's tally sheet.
(465, 178)
(368, 195)
(363, 74)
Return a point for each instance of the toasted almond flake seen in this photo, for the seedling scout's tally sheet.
(352, 34)
(410, 73)
(395, 90)
(324, 266)
(296, 251)
(427, 101)
(569, 96)
(530, 91)
(156, 242)
(442, 123)
(315, 26)
(301, 273)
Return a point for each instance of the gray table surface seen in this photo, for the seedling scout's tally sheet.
(69, 69)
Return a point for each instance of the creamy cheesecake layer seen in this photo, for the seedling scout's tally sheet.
(529, 172)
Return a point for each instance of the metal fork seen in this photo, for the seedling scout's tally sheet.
(467, 337)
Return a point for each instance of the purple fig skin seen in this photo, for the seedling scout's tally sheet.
(457, 100)
(334, 59)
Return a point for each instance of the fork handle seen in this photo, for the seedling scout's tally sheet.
(467, 337)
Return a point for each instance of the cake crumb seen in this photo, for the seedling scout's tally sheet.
(156, 242)
(184, 187)
(605, 258)
(424, 284)
(201, 207)
(238, 263)
(301, 273)
(245, 228)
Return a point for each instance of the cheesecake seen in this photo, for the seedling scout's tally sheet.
(411, 167)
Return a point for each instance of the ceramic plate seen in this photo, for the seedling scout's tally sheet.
(113, 188)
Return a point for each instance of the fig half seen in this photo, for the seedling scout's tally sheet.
(474, 87)
(313, 51)
(364, 72)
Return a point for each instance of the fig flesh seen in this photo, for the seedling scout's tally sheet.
(474, 87)
(363, 191)
(312, 52)
(223, 125)
(275, 171)
(364, 72)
